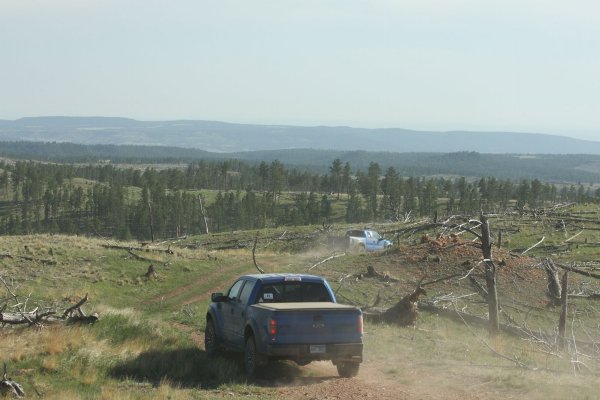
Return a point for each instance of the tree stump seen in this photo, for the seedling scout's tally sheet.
(151, 273)
(554, 286)
(404, 313)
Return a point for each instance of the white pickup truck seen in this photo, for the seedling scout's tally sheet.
(366, 240)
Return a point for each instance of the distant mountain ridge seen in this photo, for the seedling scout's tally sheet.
(547, 167)
(229, 137)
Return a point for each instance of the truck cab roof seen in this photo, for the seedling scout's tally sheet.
(271, 278)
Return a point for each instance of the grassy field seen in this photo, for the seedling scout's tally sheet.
(148, 341)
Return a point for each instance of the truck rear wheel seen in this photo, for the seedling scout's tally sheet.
(211, 343)
(347, 369)
(250, 357)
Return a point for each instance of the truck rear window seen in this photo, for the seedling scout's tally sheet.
(293, 292)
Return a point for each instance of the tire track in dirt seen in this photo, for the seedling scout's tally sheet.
(228, 280)
(320, 380)
(316, 381)
(222, 272)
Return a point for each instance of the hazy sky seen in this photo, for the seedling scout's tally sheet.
(520, 65)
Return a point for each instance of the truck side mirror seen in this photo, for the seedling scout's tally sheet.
(217, 297)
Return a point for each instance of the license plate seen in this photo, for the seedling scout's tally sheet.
(317, 348)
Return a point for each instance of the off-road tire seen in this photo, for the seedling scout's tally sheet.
(347, 369)
(251, 359)
(211, 342)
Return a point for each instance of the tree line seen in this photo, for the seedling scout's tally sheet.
(107, 200)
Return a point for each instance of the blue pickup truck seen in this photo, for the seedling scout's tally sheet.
(284, 317)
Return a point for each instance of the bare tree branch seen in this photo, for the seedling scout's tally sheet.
(254, 255)
(574, 236)
(514, 360)
(8, 386)
(535, 245)
(325, 260)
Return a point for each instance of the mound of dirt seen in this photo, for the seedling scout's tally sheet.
(455, 258)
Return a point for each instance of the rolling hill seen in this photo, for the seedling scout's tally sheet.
(228, 137)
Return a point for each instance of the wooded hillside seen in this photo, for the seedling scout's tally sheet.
(215, 196)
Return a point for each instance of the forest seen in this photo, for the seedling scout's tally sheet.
(218, 196)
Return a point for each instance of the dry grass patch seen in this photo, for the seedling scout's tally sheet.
(454, 357)
(50, 364)
(56, 340)
(22, 343)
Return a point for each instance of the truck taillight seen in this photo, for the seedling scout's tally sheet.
(272, 326)
(360, 324)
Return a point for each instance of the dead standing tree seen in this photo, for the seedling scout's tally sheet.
(203, 211)
(554, 286)
(562, 322)
(486, 248)
(490, 275)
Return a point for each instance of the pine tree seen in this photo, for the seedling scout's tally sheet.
(336, 176)
(392, 196)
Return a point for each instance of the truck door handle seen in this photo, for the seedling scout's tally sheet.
(232, 310)
(243, 314)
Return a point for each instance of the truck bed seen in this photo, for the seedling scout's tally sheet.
(309, 322)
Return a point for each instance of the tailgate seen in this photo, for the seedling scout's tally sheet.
(316, 323)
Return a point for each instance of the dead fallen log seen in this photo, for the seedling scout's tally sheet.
(140, 258)
(593, 296)
(235, 246)
(72, 314)
(28, 258)
(132, 248)
(568, 218)
(10, 387)
(373, 273)
(578, 271)
(22, 318)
